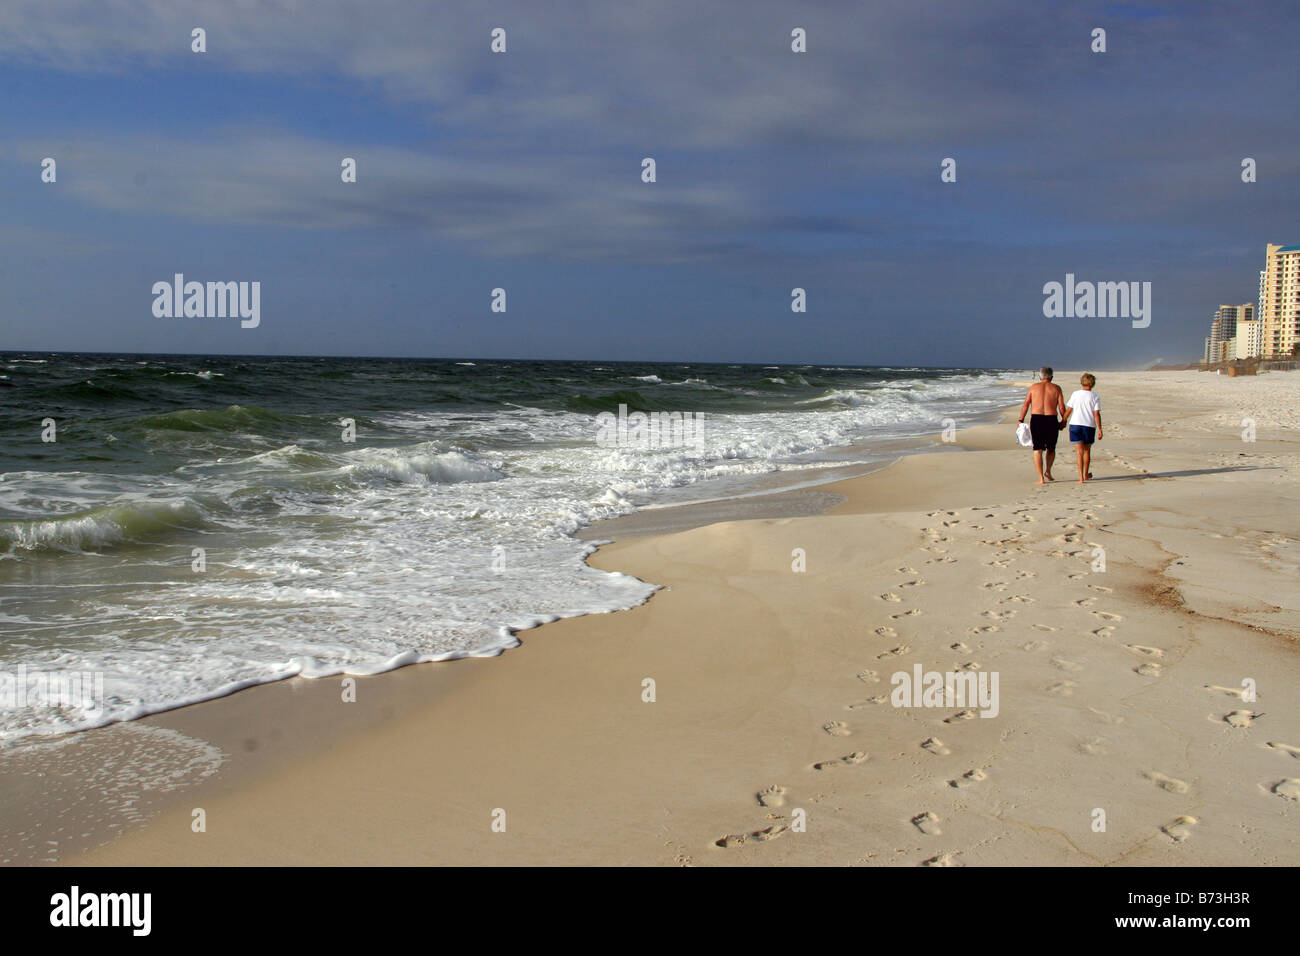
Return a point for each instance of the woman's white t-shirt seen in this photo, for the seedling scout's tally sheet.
(1084, 406)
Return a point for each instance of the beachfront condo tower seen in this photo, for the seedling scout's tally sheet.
(1279, 301)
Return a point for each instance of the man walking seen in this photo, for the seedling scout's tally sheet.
(1047, 408)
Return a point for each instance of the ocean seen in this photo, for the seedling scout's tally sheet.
(175, 528)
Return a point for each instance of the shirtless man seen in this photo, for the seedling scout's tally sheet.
(1046, 403)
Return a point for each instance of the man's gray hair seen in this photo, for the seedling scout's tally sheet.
(1046, 372)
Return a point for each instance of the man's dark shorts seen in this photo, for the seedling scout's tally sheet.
(1044, 429)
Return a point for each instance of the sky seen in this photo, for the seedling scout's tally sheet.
(522, 170)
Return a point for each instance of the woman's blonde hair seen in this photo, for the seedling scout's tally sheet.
(1088, 379)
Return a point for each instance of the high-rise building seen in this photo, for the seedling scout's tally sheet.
(1250, 339)
(1222, 346)
(1279, 300)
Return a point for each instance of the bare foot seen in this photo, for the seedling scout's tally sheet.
(1041, 482)
(1090, 476)
(1050, 478)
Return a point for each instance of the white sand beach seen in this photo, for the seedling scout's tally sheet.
(1121, 735)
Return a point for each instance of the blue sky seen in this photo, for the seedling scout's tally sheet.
(522, 170)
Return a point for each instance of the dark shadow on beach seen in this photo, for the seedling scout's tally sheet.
(1191, 473)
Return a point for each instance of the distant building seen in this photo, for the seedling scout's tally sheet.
(1279, 300)
(1223, 331)
(1249, 343)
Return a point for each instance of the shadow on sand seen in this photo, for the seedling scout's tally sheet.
(1191, 473)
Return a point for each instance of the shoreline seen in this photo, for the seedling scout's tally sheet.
(506, 732)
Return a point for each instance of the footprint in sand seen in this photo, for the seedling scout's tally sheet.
(996, 585)
(1288, 789)
(886, 631)
(943, 859)
(1000, 615)
(1180, 829)
(959, 646)
(1284, 748)
(959, 716)
(1094, 747)
(986, 629)
(1239, 719)
(890, 596)
(1060, 663)
(914, 583)
(1044, 627)
(773, 796)
(1085, 602)
(1019, 599)
(761, 836)
(836, 728)
(1102, 588)
(912, 613)
(905, 570)
(1062, 688)
(935, 746)
(898, 651)
(848, 760)
(1165, 782)
(1107, 616)
(969, 778)
(1033, 645)
(1149, 669)
(1026, 574)
(1074, 577)
(1106, 631)
(869, 702)
(869, 677)
(1230, 691)
(1145, 650)
(996, 564)
(927, 823)
(1105, 717)
(968, 666)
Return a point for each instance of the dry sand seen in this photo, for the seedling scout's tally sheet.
(772, 730)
